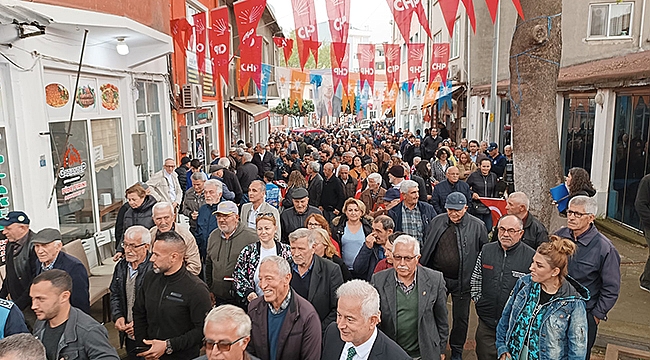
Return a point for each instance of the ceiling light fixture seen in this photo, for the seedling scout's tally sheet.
(121, 47)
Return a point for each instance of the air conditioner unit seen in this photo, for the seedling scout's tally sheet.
(455, 73)
(191, 96)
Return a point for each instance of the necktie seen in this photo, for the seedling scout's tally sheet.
(351, 353)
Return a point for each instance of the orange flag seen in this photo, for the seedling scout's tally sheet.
(349, 97)
(390, 98)
(298, 81)
(431, 93)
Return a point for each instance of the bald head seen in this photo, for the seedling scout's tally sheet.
(518, 204)
(453, 174)
(328, 170)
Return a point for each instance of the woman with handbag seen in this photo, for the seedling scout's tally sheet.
(545, 317)
(483, 184)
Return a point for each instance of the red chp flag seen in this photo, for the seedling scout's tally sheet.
(497, 206)
(250, 63)
(422, 17)
(338, 13)
(181, 32)
(493, 6)
(219, 38)
(416, 54)
(367, 65)
(449, 9)
(248, 14)
(393, 61)
(200, 32)
(439, 63)
(340, 69)
(403, 13)
(304, 17)
(469, 7)
(286, 45)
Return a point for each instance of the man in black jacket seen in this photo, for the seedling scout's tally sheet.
(498, 267)
(171, 304)
(373, 251)
(229, 178)
(246, 173)
(446, 187)
(451, 246)
(20, 262)
(332, 196)
(535, 232)
(295, 217)
(315, 183)
(127, 279)
(263, 160)
(431, 143)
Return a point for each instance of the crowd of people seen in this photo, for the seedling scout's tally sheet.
(334, 246)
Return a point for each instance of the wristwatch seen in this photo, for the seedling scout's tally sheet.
(168, 349)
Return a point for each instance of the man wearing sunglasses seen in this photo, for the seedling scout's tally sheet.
(500, 264)
(227, 332)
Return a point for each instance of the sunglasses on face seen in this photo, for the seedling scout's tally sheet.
(222, 346)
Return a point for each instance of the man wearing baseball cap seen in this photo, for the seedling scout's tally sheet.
(498, 160)
(48, 245)
(20, 262)
(448, 234)
(224, 245)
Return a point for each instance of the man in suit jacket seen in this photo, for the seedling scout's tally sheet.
(314, 278)
(48, 245)
(263, 160)
(355, 335)
(165, 186)
(411, 289)
(250, 211)
(315, 184)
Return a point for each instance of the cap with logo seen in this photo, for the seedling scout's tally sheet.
(226, 208)
(493, 146)
(15, 217)
(46, 236)
(456, 201)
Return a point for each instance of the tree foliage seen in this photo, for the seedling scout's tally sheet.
(324, 60)
(284, 109)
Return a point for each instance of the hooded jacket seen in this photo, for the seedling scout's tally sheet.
(563, 332)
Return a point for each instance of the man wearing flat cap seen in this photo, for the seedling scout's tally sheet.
(451, 245)
(20, 262)
(48, 245)
(295, 217)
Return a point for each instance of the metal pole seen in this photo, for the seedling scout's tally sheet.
(495, 77)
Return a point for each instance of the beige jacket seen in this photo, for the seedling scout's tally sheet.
(192, 257)
(160, 187)
(264, 209)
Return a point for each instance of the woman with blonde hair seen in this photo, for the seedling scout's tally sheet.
(350, 230)
(324, 247)
(247, 268)
(465, 165)
(545, 317)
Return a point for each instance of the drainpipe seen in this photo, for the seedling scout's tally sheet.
(469, 73)
(642, 24)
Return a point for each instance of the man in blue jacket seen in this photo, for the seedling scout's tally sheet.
(444, 188)
(596, 264)
(412, 216)
(206, 222)
(498, 160)
(48, 245)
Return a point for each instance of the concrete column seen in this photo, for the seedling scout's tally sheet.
(602, 152)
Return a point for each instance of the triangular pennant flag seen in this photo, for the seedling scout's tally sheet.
(340, 70)
(517, 4)
(181, 31)
(339, 50)
(304, 18)
(431, 93)
(266, 76)
(493, 6)
(247, 15)
(422, 17)
(449, 9)
(200, 29)
(251, 62)
(286, 45)
(439, 62)
(402, 13)
(469, 7)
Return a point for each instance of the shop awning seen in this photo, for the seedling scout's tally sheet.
(257, 111)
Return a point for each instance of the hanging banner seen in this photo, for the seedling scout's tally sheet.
(449, 9)
(348, 96)
(250, 66)
(393, 61)
(417, 97)
(283, 79)
(422, 17)
(493, 6)
(367, 64)
(338, 13)
(445, 96)
(416, 54)
(265, 77)
(286, 45)
(390, 98)
(469, 7)
(439, 63)
(298, 81)
(340, 69)
(431, 94)
(200, 34)
(248, 14)
(304, 17)
(219, 38)
(402, 13)
(181, 31)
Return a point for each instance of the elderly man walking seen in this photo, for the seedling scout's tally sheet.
(412, 216)
(413, 302)
(163, 217)
(165, 185)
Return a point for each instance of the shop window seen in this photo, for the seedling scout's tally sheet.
(109, 169)
(578, 131)
(610, 20)
(74, 184)
(630, 158)
(455, 40)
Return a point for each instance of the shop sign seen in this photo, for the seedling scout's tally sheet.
(71, 173)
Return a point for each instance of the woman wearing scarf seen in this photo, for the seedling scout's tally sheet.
(545, 317)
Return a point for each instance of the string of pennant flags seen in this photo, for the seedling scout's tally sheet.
(191, 37)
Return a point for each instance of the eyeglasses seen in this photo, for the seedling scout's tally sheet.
(221, 346)
(399, 258)
(578, 215)
(311, 225)
(132, 246)
(511, 232)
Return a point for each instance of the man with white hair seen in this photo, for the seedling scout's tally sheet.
(535, 232)
(373, 196)
(596, 263)
(226, 334)
(314, 183)
(165, 185)
(23, 347)
(355, 335)
(422, 331)
(246, 173)
(206, 222)
(214, 156)
(412, 216)
(127, 279)
(194, 199)
(48, 245)
(163, 217)
(313, 277)
(285, 325)
(349, 183)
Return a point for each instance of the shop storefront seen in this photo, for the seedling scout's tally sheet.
(249, 122)
(577, 134)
